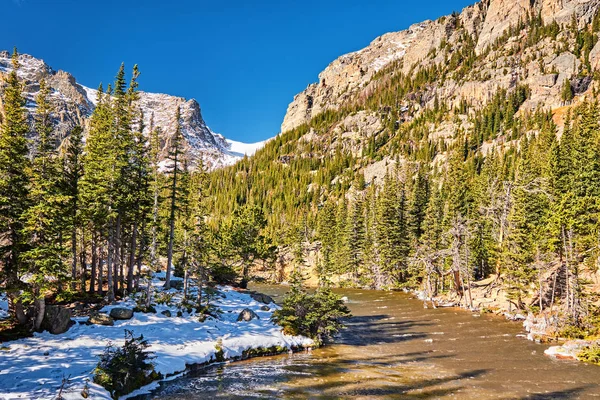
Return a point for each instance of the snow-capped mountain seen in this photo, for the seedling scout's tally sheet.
(240, 149)
(74, 104)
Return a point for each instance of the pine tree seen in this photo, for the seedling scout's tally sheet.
(356, 237)
(527, 220)
(155, 186)
(175, 169)
(326, 227)
(123, 109)
(342, 239)
(566, 93)
(199, 249)
(14, 182)
(392, 230)
(98, 183)
(72, 164)
(43, 220)
(183, 222)
(139, 203)
(244, 240)
(418, 205)
(585, 209)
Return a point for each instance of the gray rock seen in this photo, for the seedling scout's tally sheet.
(265, 308)
(177, 284)
(595, 56)
(57, 319)
(261, 298)
(247, 315)
(166, 313)
(121, 313)
(547, 80)
(101, 319)
(567, 65)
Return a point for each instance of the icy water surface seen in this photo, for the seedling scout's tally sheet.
(394, 348)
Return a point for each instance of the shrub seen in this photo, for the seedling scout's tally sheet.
(590, 354)
(318, 316)
(122, 370)
(165, 298)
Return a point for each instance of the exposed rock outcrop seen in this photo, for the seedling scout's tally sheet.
(351, 76)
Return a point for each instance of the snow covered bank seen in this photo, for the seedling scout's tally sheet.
(34, 368)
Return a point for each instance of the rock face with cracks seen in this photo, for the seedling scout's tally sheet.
(351, 76)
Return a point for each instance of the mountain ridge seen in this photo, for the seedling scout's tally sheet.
(74, 104)
(349, 75)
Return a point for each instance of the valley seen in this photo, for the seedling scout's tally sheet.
(422, 192)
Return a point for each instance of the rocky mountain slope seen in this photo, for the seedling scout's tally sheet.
(543, 66)
(422, 103)
(74, 103)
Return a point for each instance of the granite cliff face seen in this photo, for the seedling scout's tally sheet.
(74, 103)
(540, 66)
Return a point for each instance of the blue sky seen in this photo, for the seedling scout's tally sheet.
(242, 60)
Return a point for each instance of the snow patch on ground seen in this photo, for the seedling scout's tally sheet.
(34, 368)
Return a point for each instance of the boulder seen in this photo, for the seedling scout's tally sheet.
(57, 319)
(101, 319)
(166, 313)
(261, 298)
(121, 313)
(265, 308)
(176, 284)
(247, 315)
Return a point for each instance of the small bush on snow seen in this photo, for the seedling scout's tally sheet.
(122, 370)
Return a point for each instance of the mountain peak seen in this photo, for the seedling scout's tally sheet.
(74, 103)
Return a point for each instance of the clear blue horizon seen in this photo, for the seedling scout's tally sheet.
(242, 61)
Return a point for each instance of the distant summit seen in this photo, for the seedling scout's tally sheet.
(74, 103)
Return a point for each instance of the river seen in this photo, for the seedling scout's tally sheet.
(395, 348)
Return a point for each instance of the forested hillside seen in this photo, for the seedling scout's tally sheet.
(410, 180)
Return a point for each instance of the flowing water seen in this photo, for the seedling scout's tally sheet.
(394, 348)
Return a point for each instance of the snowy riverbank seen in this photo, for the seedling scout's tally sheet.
(34, 368)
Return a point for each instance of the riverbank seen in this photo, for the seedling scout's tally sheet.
(39, 366)
(486, 296)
